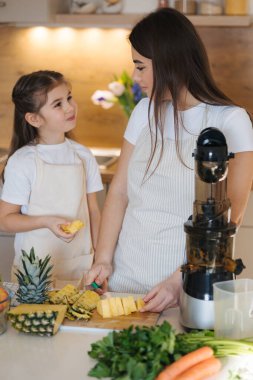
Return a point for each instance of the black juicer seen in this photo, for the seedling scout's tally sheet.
(209, 233)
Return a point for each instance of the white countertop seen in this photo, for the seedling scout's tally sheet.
(64, 356)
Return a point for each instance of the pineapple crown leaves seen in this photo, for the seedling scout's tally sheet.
(35, 270)
(34, 279)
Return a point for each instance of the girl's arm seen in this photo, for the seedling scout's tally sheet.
(94, 214)
(112, 218)
(240, 175)
(11, 220)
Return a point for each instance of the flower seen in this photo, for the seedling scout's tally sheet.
(122, 91)
(106, 99)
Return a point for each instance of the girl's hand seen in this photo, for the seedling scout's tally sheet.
(163, 296)
(98, 273)
(53, 223)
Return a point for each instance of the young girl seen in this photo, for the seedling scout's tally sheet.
(142, 240)
(49, 180)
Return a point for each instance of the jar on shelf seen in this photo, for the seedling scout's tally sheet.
(163, 3)
(112, 6)
(188, 7)
(210, 7)
(236, 7)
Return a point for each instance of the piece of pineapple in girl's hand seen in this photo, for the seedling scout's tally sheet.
(73, 227)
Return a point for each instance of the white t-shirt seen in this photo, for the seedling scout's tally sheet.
(233, 121)
(20, 171)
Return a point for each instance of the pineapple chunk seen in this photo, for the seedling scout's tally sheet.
(73, 227)
(126, 306)
(115, 310)
(119, 305)
(103, 308)
(131, 304)
(140, 303)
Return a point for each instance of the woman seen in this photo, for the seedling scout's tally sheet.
(142, 242)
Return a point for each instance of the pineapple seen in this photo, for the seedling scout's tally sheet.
(73, 227)
(43, 320)
(34, 280)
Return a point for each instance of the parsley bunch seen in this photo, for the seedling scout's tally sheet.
(133, 354)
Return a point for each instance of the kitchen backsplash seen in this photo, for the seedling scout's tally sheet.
(89, 58)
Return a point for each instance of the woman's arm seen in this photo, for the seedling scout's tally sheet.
(112, 218)
(11, 220)
(95, 217)
(240, 175)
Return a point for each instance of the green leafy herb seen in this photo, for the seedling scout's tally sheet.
(141, 353)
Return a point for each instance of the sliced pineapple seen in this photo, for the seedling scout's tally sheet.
(43, 320)
(139, 303)
(113, 307)
(131, 304)
(73, 227)
(116, 306)
(64, 295)
(87, 300)
(103, 308)
(119, 305)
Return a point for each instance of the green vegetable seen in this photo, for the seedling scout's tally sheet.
(188, 342)
(136, 354)
(141, 353)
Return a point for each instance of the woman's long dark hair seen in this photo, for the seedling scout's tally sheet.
(29, 95)
(179, 61)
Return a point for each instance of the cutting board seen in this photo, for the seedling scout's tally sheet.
(116, 323)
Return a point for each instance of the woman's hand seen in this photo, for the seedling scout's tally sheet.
(98, 273)
(163, 295)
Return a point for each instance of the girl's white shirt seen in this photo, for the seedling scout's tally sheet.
(233, 121)
(20, 171)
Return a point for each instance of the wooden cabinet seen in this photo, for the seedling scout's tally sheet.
(30, 11)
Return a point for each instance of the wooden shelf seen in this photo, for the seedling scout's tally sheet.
(128, 20)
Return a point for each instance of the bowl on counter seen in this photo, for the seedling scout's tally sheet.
(4, 307)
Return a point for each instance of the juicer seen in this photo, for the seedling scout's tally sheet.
(209, 233)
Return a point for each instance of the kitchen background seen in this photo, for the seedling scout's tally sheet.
(34, 36)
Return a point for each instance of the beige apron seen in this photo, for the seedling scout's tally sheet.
(60, 190)
(151, 244)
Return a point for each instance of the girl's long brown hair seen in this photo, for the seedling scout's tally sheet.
(179, 61)
(29, 95)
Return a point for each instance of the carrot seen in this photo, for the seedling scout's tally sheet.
(201, 370)
(185, 362)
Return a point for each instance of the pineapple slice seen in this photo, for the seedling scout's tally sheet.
(73, 227)
(126, 306)
(119, 305)
(113, 306)
(88, 300)
(103, 308)
(131, 304)
(140, 303)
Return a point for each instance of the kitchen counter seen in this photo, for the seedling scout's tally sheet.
(107, 174)
(64, 356)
